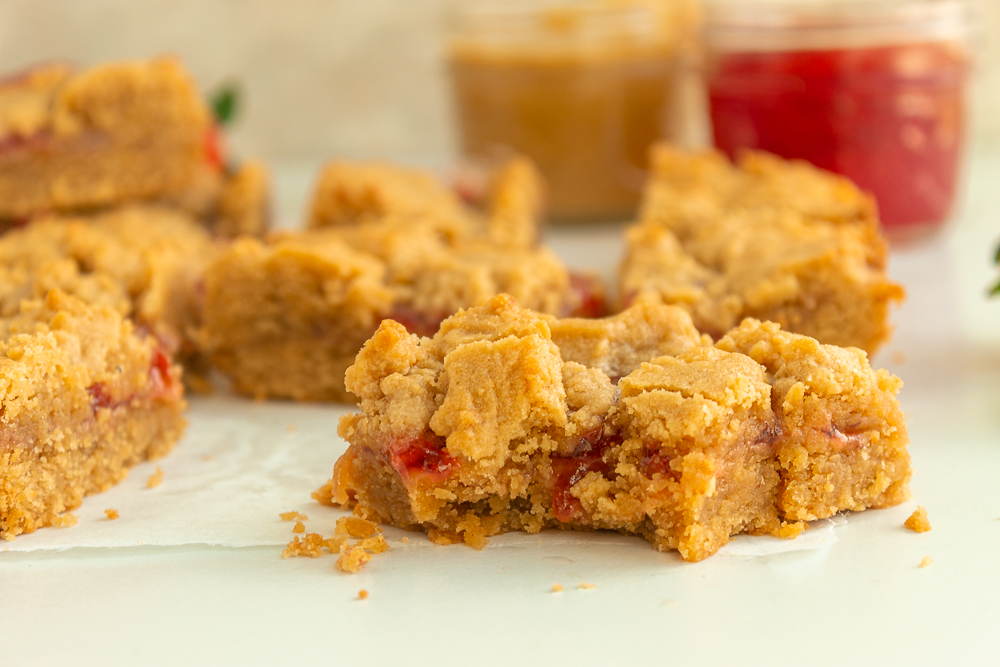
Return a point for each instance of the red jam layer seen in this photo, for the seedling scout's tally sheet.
(416, 322)
(568, 470)
(590, 295)
(163, 383)
(892, 119)
(421, 458)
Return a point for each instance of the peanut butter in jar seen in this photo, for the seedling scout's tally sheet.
(583, 88)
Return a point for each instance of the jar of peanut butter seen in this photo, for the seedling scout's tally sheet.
(584, 88)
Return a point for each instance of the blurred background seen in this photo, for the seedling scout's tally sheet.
(356, 78)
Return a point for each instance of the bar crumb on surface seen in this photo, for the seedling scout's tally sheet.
(356, 527)
(64, 521)
(584, 586)
(362, 594)
(352, 559)
(310, 545)
(557, 588)
(293, 516)
(155, 479)
(918, 521)
(404, 540)
(299, 527)
(789, 531)
(112, 514)
(926, 561)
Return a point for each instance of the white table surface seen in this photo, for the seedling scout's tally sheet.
(863, 600)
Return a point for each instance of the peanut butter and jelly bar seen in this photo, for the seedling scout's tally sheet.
(351, 192)
(285, 317)
(510, 420)
(83, 399)
(770, 239)
(75, 141)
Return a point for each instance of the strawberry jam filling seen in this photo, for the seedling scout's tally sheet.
(590, 296)
(588, 457)
(416, 322)
(419, 458)
(654, 462)
(845, 441)
(162, 384)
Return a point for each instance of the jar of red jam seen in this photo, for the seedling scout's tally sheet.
(875, 90)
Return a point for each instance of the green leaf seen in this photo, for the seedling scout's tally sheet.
(996, 290)
(996, 257)
(225, 102)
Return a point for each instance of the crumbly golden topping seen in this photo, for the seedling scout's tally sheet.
(127, 99)
(54, 349)
(144, 262)
(772, 239)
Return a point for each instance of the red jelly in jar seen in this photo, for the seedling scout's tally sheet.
(873, 90)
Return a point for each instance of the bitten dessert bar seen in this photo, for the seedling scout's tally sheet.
(510, 420)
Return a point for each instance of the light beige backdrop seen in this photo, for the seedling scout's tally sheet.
(322, 77)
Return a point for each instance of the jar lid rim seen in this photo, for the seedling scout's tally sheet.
(777, 25)
(832, 13)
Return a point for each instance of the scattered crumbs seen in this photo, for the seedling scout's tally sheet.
(64, 520)
(918, 521)
(293, 516)
(362, 594)
(789, 531)
(111, 514)
(324, 494)
(898, 357)
(557, 588)
(404, 540)
(351, 557)
(299, 527)
(584, 586)
(926, 561)
(356, 527)
(364, 511)
(207, 457)
(292, 428)
(155, 479)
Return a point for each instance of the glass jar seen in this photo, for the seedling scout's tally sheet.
(874, 90)
(584, 88)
